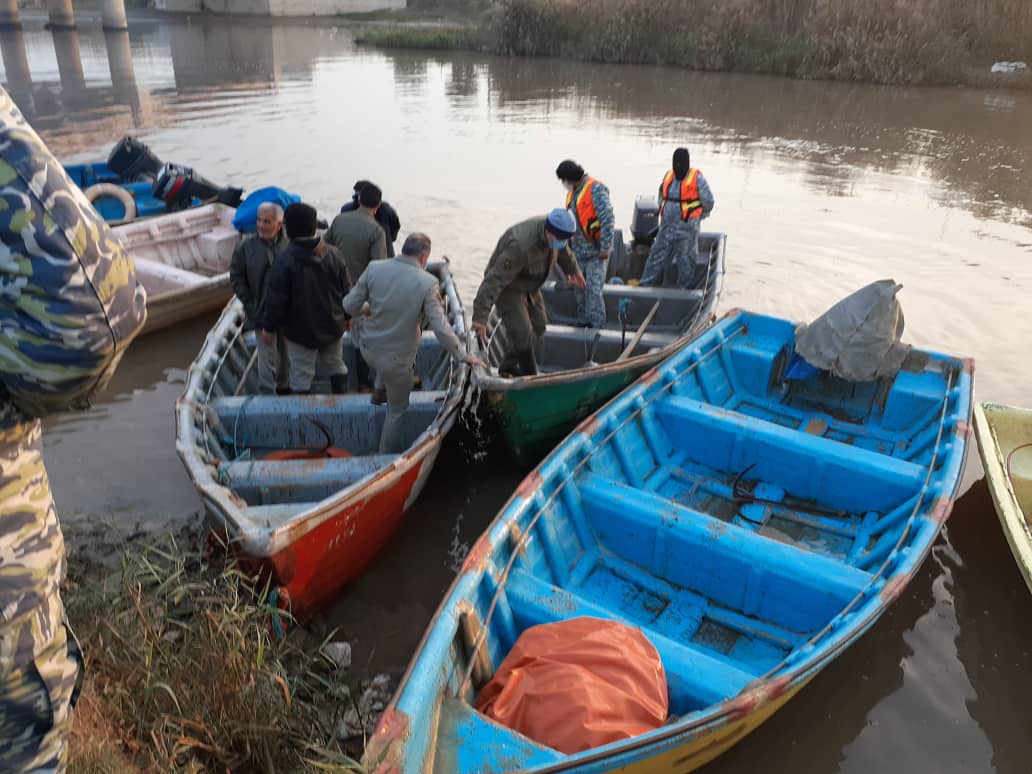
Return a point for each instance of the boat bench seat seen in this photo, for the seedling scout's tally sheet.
(735, 567)
(265, 423)
(811, 467)
(583, 336)
(695, 678)
(267, 482)
(676, 305)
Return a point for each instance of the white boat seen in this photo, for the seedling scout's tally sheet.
(182, 259)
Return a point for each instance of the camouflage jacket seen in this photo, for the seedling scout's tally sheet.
(521, 262)
(69, 306)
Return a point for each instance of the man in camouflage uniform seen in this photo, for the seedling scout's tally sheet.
(519, 266)
(69, 305)
(685, 200)
(592, 244)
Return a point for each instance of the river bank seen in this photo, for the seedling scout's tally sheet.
(940, 42)
(184, 672)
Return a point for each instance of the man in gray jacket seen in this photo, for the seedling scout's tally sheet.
(401, 296)
(249, 273)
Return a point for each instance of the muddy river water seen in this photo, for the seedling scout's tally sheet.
(821, 187)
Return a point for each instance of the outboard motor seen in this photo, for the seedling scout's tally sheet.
(178, 186)
(628, 260)
(645, 221)
(131, 159)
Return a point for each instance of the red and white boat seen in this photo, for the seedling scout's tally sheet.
(295, 482)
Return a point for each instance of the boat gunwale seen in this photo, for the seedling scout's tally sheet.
(772, 685)
(222, 502)
(704, 317)
(996, 477)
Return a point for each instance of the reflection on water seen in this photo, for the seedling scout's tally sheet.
(821, 187)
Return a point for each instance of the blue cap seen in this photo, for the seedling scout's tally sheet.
(561, 223)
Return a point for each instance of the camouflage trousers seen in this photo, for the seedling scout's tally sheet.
(678, 245)
(39, 659)
(591, 304)
(40, 664)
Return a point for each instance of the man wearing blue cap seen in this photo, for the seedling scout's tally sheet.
(519, 266)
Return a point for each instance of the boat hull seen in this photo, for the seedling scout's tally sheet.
(1001, 430)
(171, 308)
(534, 415)
(336, 544)
(182, 260)
(750, 524)
(310, 522)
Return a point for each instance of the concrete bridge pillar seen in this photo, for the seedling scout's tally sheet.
(16, 65)
(114, 15)
(62, 17)
(9, 17)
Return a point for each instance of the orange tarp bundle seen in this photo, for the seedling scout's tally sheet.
(578, 684)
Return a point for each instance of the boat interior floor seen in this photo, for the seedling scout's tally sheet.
(282, 455)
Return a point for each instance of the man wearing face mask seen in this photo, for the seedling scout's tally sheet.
(592, 244)
(519, 266)
(684, 200)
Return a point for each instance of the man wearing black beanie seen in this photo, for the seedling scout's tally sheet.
(385, 215)
(684, 200)
(305, 303)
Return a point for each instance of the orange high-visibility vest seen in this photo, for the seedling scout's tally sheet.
(585, 213)
(691, 207)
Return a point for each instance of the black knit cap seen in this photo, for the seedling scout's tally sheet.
(682, 162)
(569, 170)
(300, 220)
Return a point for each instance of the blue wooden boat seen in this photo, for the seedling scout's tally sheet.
(100, 184)
(751, 526)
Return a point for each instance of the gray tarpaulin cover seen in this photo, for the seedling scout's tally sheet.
(859, 338)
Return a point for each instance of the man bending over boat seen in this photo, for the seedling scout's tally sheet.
(70, 305)
(304, 304)
(684, 200)
(522, 261)
(401, 295)
(249, 272)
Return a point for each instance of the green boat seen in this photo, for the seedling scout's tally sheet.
(582, 368)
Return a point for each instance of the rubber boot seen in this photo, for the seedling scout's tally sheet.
(528, 363)
(339, 384)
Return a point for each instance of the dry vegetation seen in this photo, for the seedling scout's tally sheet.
(183, 673)
(884, 41)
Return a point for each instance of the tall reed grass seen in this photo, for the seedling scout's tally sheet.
(883, 41)
(886, 41)
(183, 673)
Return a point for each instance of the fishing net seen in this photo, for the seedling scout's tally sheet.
(578, 684)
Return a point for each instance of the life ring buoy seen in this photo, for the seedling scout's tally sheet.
(110, 190)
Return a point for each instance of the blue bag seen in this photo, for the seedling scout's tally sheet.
(247, 213)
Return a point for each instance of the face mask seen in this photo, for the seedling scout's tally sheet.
(557, 244)
(568, 186)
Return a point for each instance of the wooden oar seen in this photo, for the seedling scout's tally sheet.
(247, 370)
(639, 333)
